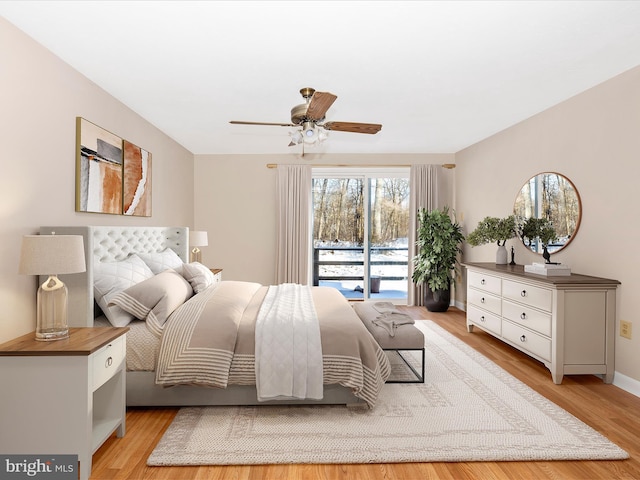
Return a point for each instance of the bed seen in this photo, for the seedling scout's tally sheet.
(354, 368)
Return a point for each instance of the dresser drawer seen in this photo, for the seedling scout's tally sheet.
(527, 317)
(484, 300)
(484, 319)
(488, 283)
(107, 361)
(527, 340)
(533, 296)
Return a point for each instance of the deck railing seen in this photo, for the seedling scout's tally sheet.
(317, 263)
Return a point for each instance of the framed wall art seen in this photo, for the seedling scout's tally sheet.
(112, 175)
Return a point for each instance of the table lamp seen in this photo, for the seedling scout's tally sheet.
(52, 255)
(197, 239)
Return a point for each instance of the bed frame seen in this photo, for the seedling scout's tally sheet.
(115, 243)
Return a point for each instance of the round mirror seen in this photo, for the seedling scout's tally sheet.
(552, 197)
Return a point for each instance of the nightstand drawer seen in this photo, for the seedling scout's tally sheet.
(107, 361)
(217, 275)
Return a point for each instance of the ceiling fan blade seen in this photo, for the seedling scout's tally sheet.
(239, 122)
(319, 104)
(354, 127)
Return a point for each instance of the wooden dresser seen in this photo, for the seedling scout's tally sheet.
(566, 322)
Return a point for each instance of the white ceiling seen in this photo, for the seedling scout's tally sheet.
(438, 75)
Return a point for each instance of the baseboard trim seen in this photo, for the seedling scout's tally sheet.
(628, 384)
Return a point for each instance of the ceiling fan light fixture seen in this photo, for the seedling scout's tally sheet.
(296, 137)
(309, 132)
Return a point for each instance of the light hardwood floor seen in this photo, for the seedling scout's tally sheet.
(606, 408)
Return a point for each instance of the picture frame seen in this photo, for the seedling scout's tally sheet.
(113, 175)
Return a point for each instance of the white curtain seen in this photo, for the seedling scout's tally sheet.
(293, 187)
(423, 182)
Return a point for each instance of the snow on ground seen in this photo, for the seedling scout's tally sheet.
(394, 289)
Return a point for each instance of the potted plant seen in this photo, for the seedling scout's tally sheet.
(438, 242)
(493, 229)
(538, 229)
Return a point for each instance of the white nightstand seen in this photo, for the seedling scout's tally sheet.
(217, 274)
(63, 397)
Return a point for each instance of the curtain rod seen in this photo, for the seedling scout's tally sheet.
(325, 165)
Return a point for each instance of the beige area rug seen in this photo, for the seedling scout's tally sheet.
(468, 409)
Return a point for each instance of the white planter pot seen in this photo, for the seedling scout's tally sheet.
(501, 255)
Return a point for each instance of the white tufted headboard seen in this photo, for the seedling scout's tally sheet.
(112, 244)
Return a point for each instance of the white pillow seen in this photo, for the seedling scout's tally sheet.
(110, 278)
(199, 276)
(165, 260)
(154, 299)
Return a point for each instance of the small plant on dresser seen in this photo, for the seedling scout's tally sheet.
(494, 230)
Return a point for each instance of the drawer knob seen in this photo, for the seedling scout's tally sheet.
(523, 316)
(482, 300)
(482, 318)
(523, 293)
(523, 338)
(108, 362)
(482, 282)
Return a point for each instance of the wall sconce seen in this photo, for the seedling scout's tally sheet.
(197, 239)
(52, 255)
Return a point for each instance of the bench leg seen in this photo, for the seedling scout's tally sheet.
(419, 376)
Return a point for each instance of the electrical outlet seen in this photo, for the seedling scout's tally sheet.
(625, 329)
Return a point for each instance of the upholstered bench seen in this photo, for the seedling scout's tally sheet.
(406, 336)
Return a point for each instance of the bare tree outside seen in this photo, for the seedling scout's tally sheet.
(338, 205)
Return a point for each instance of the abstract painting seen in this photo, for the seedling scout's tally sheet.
(112, 175)
(98, 169)
(136, 195)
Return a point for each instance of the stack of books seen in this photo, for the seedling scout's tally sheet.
(549, 269)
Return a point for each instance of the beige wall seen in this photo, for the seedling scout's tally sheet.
(593, 139)
(236, 204)
(40, 98)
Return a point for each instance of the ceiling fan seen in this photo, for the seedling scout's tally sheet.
(311, 115)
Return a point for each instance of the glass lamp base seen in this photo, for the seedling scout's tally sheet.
(196, 255)
(47, 336)
(51, 322)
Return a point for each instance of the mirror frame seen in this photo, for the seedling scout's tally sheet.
(578, 220)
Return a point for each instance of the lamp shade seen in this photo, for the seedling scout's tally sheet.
(52, 254)
(198, 238)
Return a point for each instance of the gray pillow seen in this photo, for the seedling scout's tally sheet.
(155, 299)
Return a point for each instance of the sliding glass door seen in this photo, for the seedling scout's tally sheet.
(360, 232)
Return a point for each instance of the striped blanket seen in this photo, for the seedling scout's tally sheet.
(210, 341)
